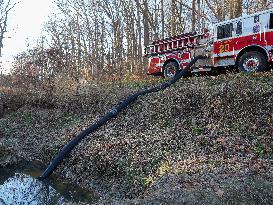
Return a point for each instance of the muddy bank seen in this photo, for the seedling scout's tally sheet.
(7, 157)
(203, 135)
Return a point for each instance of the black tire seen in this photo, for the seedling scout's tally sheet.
(252, 61)
(170, 70)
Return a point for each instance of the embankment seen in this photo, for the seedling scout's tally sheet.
(206, 139)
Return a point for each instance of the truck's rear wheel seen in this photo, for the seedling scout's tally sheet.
(252, 61)
(170, 69)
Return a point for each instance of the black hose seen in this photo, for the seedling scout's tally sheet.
(111, 114)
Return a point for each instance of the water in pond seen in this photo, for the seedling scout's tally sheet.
(19, 186)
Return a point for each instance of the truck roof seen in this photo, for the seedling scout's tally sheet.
(243, 17)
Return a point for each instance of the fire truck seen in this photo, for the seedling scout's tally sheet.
(245, 43)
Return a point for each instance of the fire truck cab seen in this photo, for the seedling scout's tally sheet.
(245, 43)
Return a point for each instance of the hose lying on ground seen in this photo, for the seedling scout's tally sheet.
(111, 114)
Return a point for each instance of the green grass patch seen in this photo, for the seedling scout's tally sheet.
(197, 130)
(235, 127)
(264, 151)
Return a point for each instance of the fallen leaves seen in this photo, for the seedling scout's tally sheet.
(220, 192)
(202, 128)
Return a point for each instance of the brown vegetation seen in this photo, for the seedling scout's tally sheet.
(197, 135)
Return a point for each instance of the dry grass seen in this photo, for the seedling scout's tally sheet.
(203, 131)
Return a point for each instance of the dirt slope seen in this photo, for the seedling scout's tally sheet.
(204, 140)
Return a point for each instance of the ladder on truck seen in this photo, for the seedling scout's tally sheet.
(176, 43)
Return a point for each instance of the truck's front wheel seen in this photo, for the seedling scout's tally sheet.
(170, 69)
(252, 61)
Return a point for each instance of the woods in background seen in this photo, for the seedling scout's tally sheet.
(105, 39)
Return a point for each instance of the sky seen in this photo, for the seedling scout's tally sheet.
(25, 25)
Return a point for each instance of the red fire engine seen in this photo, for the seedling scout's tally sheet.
(245, 43)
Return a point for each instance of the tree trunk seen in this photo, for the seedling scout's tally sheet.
(162, 19)
(193, 18)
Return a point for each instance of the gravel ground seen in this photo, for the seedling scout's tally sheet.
(205, 140)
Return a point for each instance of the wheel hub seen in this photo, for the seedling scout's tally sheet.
(251, 64)
(170, 72)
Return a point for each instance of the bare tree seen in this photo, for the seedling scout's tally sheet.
(104, 39)
(5, 8)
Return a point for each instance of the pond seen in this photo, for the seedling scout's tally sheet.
(19, 186)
